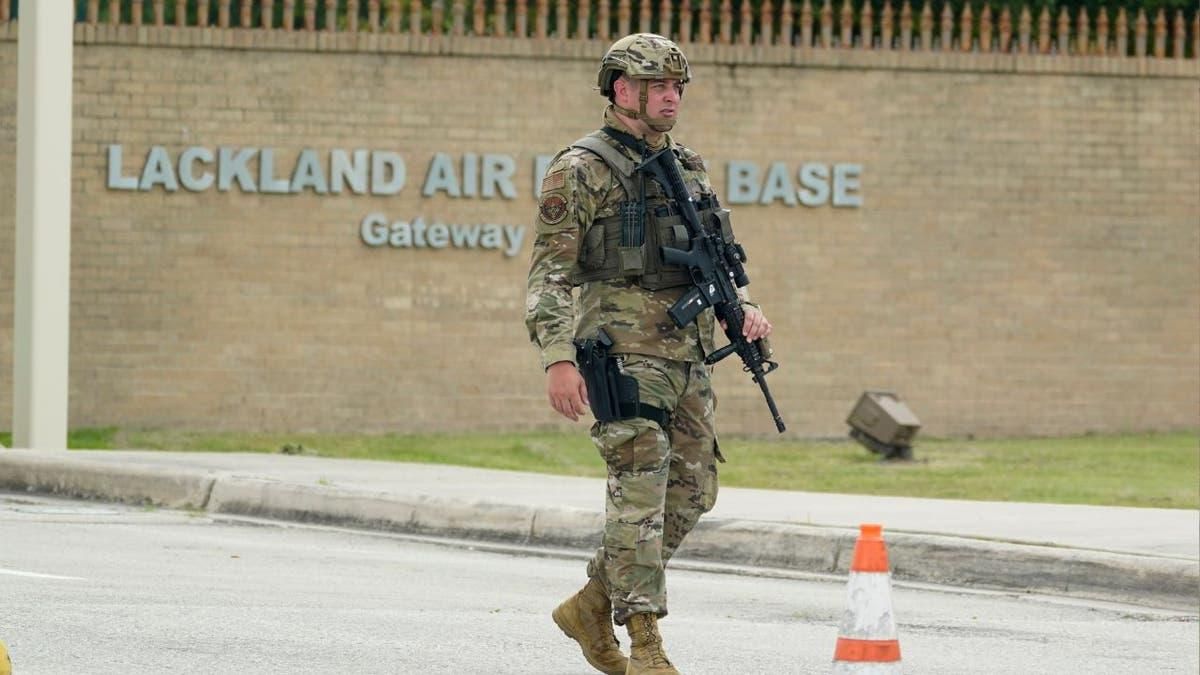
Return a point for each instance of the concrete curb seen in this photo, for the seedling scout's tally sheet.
(416, 514)
(128, 483)
(957, 561)
(1144, 580)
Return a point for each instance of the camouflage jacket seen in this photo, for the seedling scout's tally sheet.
(578, 189)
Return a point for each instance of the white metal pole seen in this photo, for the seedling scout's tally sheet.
(43, 247)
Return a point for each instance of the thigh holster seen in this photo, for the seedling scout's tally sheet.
(612, 394)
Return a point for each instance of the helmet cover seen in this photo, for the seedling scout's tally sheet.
(642, 56)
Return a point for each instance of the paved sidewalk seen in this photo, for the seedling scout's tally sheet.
(1142, 556)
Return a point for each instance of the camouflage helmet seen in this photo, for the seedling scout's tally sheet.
(642, 56)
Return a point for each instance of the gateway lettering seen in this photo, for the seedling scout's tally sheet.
(376, 231)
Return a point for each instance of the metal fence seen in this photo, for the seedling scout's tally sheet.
(850, 24)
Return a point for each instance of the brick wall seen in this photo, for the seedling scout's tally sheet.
(1026, 260)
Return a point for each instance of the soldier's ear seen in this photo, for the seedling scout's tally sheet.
(621, 87)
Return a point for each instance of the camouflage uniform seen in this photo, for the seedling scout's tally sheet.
(659, 481)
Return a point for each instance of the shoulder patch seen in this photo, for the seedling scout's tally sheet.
(552, 208)
(692, 162)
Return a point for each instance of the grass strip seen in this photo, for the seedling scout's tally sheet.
(1148, 470)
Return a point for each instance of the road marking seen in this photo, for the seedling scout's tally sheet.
(38, 575)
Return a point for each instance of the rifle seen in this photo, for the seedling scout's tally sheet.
(717, 271)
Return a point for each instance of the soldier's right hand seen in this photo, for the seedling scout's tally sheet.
(566, 390)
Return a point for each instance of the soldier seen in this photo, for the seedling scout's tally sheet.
(600, 227)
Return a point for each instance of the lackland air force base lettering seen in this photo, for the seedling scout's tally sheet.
(383, 172)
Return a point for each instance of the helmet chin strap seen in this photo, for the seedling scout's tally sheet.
(659, 124)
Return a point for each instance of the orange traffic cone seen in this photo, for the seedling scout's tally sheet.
(867, 641)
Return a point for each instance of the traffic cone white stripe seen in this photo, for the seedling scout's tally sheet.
(864, 668)
(867, 640)
(868, 614)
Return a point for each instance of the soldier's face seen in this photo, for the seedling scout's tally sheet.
(663, 97)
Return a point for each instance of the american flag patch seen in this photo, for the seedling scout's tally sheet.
(554, 181)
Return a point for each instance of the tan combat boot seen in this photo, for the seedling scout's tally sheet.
(586, 618)
(647, 655)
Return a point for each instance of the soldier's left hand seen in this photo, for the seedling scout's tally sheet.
(756, 325)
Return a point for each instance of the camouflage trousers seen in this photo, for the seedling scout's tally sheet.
(659, 482)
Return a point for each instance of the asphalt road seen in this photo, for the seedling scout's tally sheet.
(98, 588)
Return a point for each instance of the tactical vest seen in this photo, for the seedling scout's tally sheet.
(629, 243)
